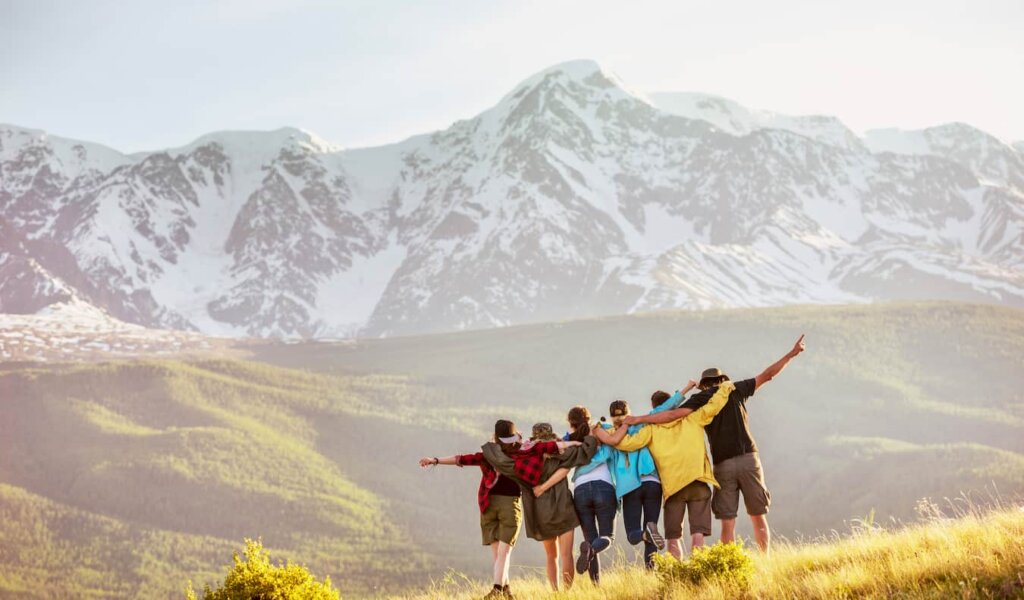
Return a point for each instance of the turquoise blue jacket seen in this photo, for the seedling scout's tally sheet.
(604, 455)
(629, 467)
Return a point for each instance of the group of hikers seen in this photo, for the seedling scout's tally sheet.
(650, 464)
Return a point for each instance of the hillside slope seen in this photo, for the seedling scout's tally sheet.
(174, 455)
(889, 404)
(314, 445)
(976, 556)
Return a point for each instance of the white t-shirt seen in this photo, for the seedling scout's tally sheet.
(598, 473)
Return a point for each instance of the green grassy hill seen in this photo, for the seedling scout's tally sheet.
(177, 456)
(891, 403)
(136, 476)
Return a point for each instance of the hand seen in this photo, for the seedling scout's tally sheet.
(692, 384)
(427, 462)
(798, 347)
(538, 490)
(631, 420)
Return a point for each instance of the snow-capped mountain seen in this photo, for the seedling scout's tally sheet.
(571, 197)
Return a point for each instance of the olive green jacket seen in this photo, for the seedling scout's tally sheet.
(554, 512)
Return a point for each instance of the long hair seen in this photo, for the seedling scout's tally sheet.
(579, 420)
(504, 428)
(510, 449)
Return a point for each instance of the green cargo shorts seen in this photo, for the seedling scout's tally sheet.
(501, 521)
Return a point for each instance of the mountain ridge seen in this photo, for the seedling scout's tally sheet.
(571, 197)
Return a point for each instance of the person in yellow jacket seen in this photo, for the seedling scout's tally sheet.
(684, 467)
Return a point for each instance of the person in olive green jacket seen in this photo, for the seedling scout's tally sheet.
(548, 509)
(683, 465)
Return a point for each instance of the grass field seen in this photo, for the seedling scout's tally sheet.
(973, 556)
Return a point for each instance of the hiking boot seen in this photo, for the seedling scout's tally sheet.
(586, 557)
(651, 535)
(508, 593)
(497, 593)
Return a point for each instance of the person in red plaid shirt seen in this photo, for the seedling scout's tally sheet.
(549, 513)
(498, 496)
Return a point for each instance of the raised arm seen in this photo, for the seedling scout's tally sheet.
(689, 386)
(777, 367)
(538, 490)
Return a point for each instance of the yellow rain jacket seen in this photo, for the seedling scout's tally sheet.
(678, 447)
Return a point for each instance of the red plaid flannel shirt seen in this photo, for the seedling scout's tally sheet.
(529, 463)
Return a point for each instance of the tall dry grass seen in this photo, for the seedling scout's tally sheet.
(968, 552)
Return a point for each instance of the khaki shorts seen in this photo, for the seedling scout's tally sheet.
(740, 474)
(501, 521)
(695, 498)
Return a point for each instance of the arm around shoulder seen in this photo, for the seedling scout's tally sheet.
(636, 441)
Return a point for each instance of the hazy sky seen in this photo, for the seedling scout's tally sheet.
(144, 75)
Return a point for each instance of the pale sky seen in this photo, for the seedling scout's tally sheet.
(144, 75)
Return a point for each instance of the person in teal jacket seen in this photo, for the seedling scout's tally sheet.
(637, 484)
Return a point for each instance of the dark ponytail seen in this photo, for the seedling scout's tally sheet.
(579, 419)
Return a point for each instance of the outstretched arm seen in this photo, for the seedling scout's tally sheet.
(447, 460)
(776, 368)
(538, 490)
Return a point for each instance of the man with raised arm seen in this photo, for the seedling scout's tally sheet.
(737, 464)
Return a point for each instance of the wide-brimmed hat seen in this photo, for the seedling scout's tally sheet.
(543, 432)
(712, 373)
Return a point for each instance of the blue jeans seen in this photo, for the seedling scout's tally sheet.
(639, 507)
(596, 505)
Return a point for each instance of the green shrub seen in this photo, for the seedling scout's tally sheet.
(728, 563)
(256, 578)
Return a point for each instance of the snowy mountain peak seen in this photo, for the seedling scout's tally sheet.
(571, 74)
(69, 157)
(570, 197)
(262, 143)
